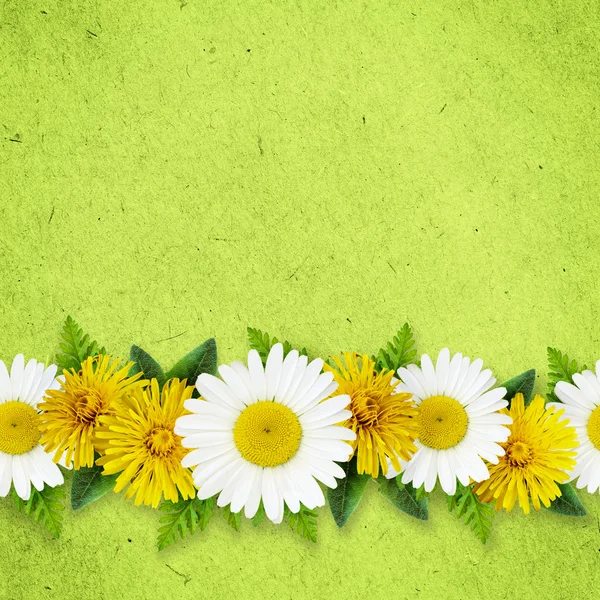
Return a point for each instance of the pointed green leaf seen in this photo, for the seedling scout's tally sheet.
(404, 497)
(182, 518)
(262, 343)
(344, 499)
(89, 485)
(560, 369)
(398, 353)
(202, 359)
(521, 384)
(475, 514)
(234, 519)
(569, 503)
(75, 346)
(145, 364)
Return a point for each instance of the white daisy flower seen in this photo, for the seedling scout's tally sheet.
(23, 461)
(581, 403)
(459, 423)
(266, 433)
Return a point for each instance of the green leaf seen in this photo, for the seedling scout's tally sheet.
(560, 369)
(45, 507)
(569, 503)
(521, 384)
(398, 353)
(182, 518)
(234, 519)
(262, 343)
(89, 485)
(344, 499)
(404, 497)
(304, 522)
(202, 359)
(145, 364)
(76, 347)
(475, 514)
(259, 517)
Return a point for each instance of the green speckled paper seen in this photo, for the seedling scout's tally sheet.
(172, 170)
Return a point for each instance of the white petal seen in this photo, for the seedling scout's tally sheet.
(323, 387)
(335, 419)
(237, 385)
(28, 379)
(273, 370)
(205, 439)
(20, 479)
(309, 378)
(5, 473)
(237, 478)
(446, 473)
(5, 385)
(431, 385)
(442, 369)
(288, 369)
(243, 488)
(270, 495)
(325, 409)
(196, 457)
(253, 501)
(257, 375)
(16, 379)
(453, 373)
(570, 394)
(460, 378)
(470, 377)
(217, 481)
(329, 432)
(297, 377)
(414, 380)
(483, 383)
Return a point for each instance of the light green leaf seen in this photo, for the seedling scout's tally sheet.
(182, 518)
(521, 384)
(262, 343)
(145, 364)
(560, 369)
(344, 499)
(398, 353)
(234, 519)
(45, 507)
(304, 522)
(76, 347)
(259, 517)
(569, 503)
(404, 497)
(89, 485)
(475, 514)
(202, 359)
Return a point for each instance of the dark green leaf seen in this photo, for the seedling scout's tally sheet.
(182, 518)
(569, 503)
(45, 507)
(521, 384)
(262, 343)
(403, 497)
(344, 499)
(398, 353)
(145, 364)
(259, 517)
(234, 519)
(304, 522)
(89, 485)
(76, 347)
(202, 359)
(560, 369)
(474, 513)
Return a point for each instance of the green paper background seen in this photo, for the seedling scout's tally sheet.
(175, 170)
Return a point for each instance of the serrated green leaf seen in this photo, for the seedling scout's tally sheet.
(89, 485)
(234, 519)
(76, 347)
(568, 503)
(521, 384)
(45, 507)
(262, 343)
(398, 353)
(475, 514)
(560, 369)
(202, 359)
(404, 497)
(182, 518)
(145, 364)
(304, 522)
(344, 499)
(259, 517)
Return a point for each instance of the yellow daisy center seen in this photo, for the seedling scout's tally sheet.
(88, 405)
(19, 427)
(267, 433)
(160, 441)
(443, 422)
(519, 454)
(593, 427)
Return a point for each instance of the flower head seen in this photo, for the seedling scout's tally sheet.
(385, 422)
(459, 422)
(23, 461)
(138, 440)
(266, 433)
(537, 453)
(71, 413)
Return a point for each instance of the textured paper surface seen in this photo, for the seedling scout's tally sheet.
(175, 170)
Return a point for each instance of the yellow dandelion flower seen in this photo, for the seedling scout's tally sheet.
(70, 414)
(385, 422)
(538, 452)
(138, 439)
